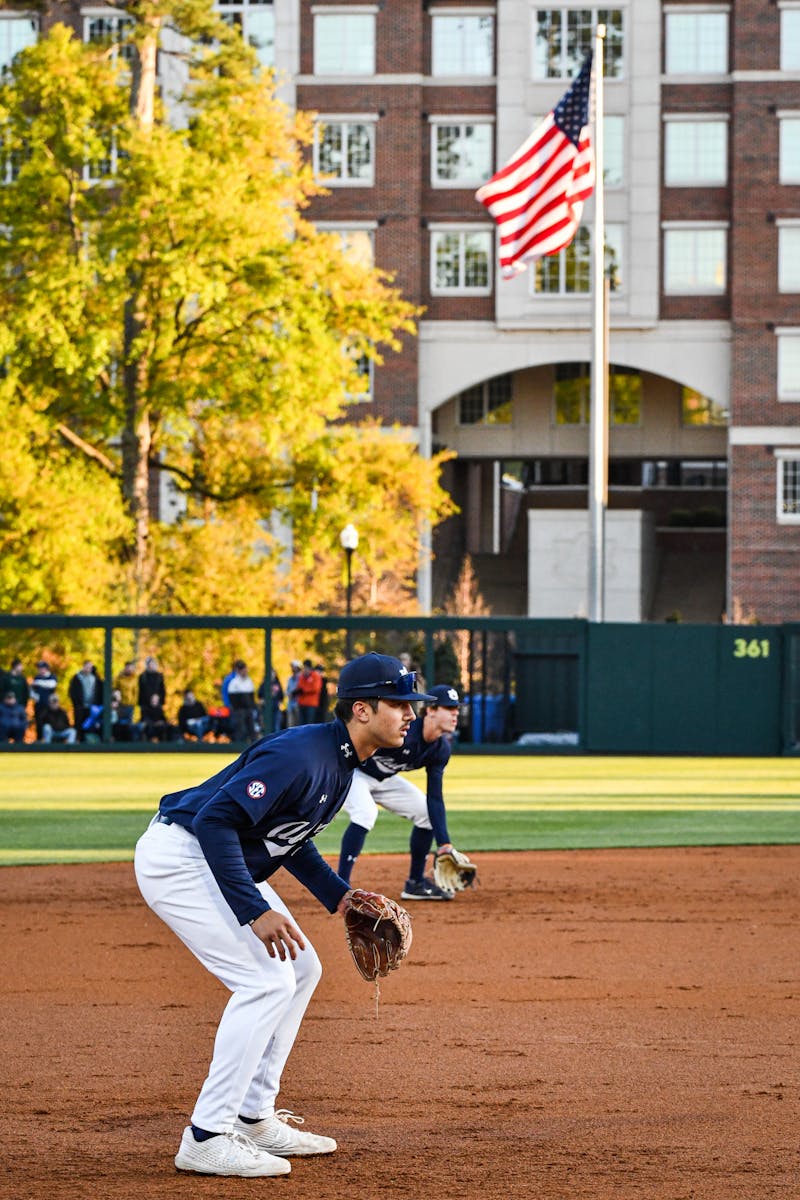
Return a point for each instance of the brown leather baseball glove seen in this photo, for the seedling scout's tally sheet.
(378, 933)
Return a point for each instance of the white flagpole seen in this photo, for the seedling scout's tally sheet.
(598, 422)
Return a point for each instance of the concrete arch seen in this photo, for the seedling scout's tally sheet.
(454, 357)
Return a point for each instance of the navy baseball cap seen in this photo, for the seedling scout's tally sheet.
(378, 676)
(444, 696)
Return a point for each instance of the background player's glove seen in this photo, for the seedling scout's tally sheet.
(453, 871)
(378, 933)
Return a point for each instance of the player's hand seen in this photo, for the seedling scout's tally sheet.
(278, 934)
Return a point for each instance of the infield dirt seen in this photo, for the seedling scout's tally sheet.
(588, 1024)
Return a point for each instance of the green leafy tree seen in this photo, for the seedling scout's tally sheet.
(165, 302)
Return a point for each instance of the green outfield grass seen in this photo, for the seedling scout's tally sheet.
(92, 807)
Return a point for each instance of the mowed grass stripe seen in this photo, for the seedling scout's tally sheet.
(91, 807)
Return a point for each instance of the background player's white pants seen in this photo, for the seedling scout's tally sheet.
(262, 1017)
(394, 793)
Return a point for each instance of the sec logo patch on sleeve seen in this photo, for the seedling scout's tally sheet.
(256, 790)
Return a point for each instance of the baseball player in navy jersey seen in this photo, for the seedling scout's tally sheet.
(205, 866)
(378, 782)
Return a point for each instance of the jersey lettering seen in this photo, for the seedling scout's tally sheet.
(289, 833)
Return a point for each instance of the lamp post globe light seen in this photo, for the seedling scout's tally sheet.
(349, 540)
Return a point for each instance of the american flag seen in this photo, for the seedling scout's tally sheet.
(537, 197)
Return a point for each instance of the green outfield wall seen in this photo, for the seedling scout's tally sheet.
(530, 686)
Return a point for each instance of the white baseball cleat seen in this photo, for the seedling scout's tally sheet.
(227, 1154)
(276, 1136)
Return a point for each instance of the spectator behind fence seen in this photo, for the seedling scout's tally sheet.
(193, 720)
(324, 698)
(123, 726)
(155, 724)
(42, 687)
(14, 681)
(13, 718)
(292, 711)
(151, 683)
(275, 699)
(127, 684)
(309, 691)
(85, 689)
(55, 723)
(242, 702)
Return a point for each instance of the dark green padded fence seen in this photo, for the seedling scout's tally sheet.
(543, 686)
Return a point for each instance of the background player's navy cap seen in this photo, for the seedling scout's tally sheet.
(444, 696)
(378, 676)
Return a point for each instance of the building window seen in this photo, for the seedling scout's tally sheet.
(790, 38)
(461, 262)
(106, 27)
(357, 243)
(365, 376)
(788, 491)
(463, 43)
(488, 403)
(789, 256)
(461, 153)
(564, 36)
(613, 151)
(694, 261)
(696, 42)
(695, 153)
(10, 163)
(344, 43)
(17, 32)
(568, 273)
(788, 364)
(255, 20)
(344, 152)
(102, 169)
(697, 409)
(572, 394)
(789, 126)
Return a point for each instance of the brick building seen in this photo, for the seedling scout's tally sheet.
(418, 103)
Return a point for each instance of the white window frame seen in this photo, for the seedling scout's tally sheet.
(368, 396)
(619, 123)
(788, 228)
(469, 182)
(117, 18)
(784, 455)
(485, 420)
(696, 10)
(243, 8)
(585, 232)
(10, 17)
(787, 117)
(344, 70)
(462, 230)
(567, 68)
(789, 62)
(672, 121)
(343, 228)
(788, 389)
(326, 120)
(437, 14)
(669, 227)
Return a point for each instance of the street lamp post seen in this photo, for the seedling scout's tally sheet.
(349, 539)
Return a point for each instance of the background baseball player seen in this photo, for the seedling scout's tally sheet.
(378, 782)
(203, 864)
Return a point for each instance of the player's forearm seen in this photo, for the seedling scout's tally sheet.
(223, 851)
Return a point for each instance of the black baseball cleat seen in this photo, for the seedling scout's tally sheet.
(423, 889)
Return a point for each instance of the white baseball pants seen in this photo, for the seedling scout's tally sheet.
(394, 793)
(269, 997)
